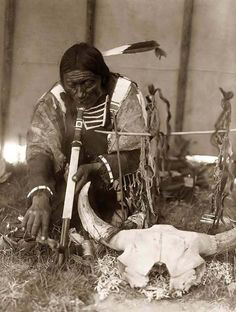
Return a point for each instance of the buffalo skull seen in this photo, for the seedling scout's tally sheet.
(180, 251)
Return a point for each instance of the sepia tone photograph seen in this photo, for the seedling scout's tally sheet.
(117, 155)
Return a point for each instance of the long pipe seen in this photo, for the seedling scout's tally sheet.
(70, 187)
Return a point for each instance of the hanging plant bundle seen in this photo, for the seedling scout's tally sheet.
(154, 154)
(223, 171)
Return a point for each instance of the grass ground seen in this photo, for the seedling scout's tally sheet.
(29, 281)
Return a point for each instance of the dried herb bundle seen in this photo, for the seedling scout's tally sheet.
(154, 153)
(223, 172)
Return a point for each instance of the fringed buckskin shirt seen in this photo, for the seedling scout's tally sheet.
(52, 127)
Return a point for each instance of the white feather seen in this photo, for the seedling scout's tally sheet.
(116, 51)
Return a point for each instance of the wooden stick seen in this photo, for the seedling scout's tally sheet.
(172, 133)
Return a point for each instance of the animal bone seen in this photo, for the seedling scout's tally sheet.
(180, 251)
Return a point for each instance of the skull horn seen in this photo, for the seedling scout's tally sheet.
(96, 227)
(226, 240)
(218, 243)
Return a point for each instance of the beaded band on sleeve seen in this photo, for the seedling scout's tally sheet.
(103, 159)
(40, 187)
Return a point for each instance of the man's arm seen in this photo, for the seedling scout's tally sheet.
(43, 145)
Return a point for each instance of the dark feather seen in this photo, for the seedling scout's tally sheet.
(141, 47)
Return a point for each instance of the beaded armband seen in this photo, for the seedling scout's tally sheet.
(108, 168)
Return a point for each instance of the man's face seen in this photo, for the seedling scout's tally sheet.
(83, 87)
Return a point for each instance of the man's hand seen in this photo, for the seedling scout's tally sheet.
(37, 217)
(84, 173)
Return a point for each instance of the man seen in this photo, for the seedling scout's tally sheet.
(85, 81)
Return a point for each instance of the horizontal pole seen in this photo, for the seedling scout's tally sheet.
(201, 132)
(124, 133)
(172, 133)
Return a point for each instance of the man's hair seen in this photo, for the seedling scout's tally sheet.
(82, 56)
